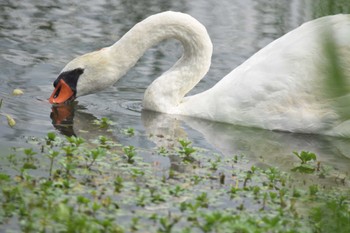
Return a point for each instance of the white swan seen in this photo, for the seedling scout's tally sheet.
(281, 87)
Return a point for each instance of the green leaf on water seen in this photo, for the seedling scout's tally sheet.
(10, 121)
(17, 92)
(29, 152)
(304, 168)
(305, 156)
(29, 166)
(104, 122)
(51, 136)
(4, 177)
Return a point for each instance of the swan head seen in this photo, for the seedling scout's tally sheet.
(66, 86)
(84, 75)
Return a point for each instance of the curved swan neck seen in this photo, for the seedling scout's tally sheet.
(167, 91)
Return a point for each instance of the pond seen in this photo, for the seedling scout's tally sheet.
(38, 38)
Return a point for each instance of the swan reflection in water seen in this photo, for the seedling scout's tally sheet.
(62, 118)
(261, 147)
(71, 119)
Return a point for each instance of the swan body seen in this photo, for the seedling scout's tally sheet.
(284, 86)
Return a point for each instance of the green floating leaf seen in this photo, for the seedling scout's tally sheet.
(305, 156)
(10, 121)
(29, 166)
(29, 152)
(103, 123)
(51, 136)
(83, 200)
(129, 131)
(130, 153)
(304, 168)
(17, 92)
(4, 177)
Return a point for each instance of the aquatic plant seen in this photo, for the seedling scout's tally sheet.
(70, 185)
(130, 153)
(186, 150)
(104, 122)
(93, 155)
(129, 131)
(305, 158)
(51, 136)
(332, 216)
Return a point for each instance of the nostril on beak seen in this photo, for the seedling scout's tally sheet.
(57, 93)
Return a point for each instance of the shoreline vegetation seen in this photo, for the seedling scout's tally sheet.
(69, 184)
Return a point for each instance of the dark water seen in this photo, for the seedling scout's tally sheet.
(37, 38)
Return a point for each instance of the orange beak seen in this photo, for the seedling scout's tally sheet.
(62, 93)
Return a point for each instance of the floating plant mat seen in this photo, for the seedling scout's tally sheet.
(73, 185)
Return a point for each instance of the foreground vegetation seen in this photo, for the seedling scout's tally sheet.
(71, 185)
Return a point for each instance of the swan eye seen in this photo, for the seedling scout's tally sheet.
(55, 83)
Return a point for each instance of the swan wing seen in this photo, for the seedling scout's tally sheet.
(284, 86)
